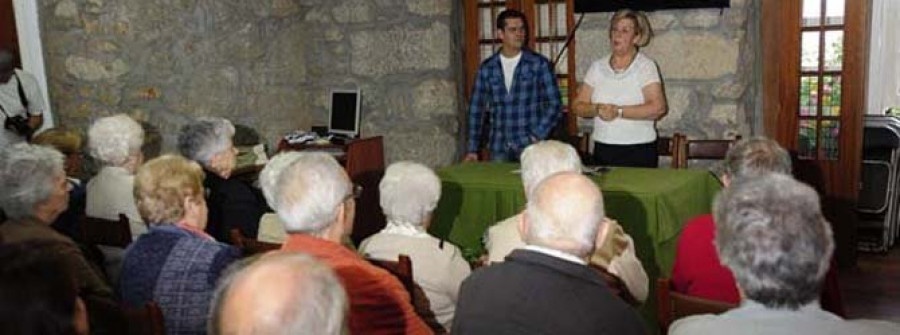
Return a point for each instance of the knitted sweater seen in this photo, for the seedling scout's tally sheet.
(178, 270)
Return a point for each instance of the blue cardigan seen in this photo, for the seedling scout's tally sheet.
(178, 270)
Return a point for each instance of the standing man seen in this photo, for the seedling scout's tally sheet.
(516, 87)
(21, 102)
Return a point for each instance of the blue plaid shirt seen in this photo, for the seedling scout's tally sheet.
(529, 111)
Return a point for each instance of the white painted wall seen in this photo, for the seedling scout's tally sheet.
(884, 57)
(32, 52)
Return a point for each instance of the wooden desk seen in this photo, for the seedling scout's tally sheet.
(363, 159)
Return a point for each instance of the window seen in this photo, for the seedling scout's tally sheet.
(821, 69)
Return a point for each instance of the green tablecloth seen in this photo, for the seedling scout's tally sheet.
(652, 205)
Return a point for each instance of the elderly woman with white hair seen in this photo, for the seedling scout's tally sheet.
(175, 264)
(33, 192)
(770, 232)
(115, 142)
(232, 203)
(409, 193)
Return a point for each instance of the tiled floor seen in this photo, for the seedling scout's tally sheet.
(872, 289)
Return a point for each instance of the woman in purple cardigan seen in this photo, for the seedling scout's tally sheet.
(176, 264)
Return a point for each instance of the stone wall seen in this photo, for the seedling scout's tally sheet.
(265, 64)
(708, 62)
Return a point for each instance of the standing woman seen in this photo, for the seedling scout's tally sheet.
(622, 92)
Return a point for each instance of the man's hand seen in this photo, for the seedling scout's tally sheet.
(470, 157)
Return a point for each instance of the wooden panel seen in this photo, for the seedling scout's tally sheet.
(8, 36)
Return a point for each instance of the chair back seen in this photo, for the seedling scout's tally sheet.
(249, 246)
(145, 320)
(672, 305)
(115, 233)
(402, 269)
(672, 147)
(706, 149)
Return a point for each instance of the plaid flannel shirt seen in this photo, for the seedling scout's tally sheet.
(528, 111)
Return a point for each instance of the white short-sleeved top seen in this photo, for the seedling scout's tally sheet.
(622, 89)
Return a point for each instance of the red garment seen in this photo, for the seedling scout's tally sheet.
(699, 273)
(378, 302)
(697, 270)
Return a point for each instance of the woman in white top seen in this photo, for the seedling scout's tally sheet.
(622, 92)
(409, 193)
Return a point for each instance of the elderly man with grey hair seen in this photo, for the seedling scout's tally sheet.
(281, 293)
(315, 199)
(698, 271)
(115, 142)
(615, 251)
(232, 203)
(771, 234)
(547, 287)
(409, 192)
(33, 192)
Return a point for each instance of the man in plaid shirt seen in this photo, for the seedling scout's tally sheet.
(517, 89)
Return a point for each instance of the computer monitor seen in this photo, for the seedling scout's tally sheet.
(343, 117)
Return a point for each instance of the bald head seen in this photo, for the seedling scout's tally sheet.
(564, 213)
(281, 293)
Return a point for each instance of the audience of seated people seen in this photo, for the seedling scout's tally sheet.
(33, 192)
(409, 193)
(280, 293)
(38, 292)
(70, 144)
(176, 263)
(232, 203)
(315, 199)
(771, 234)
(698, 270)
(547, 287)
(615, 252)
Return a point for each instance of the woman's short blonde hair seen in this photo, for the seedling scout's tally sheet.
(162, 184)
(65, 140)
(641, 25)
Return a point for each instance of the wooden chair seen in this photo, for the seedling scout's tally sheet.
(672, 147)
(705, 149)
(249, 246)
(105, 232)
(402, 269)
(672, 305)
(144, 320)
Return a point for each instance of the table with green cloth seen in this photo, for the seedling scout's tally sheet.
(652, 205)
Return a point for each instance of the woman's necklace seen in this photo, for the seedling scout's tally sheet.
(621, 69)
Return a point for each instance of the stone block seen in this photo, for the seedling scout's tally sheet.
(400, 50)
(88, 69)
(724, 114)
(694, 55)
(434, 97)
(678, 100)
(660, 20)
(353, 11)
(701, 18)
(730, 89)
(592, 45)
(66, 9)
(430, 7)
(432, 146)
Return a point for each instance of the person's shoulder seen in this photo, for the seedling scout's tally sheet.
(863, 326)
(697, 324)
(493, 60)
(533, 57)
(507, 226)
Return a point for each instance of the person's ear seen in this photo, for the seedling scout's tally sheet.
(523, 225)
(602, 232)
(726, 180)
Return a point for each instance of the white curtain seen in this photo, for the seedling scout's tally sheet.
(884, 57)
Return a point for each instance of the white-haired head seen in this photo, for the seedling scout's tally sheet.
(116, 141)
(564, 213)
(205, 137)
(281, 293)
(268, 177)
(311, 191)
(545, 158)
(409, 192)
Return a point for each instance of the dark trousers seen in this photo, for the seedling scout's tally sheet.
(630, 155)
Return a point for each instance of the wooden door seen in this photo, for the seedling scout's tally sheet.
(814, 86)
(8, 36)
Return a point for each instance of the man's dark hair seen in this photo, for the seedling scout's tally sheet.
(37, 290)
(511, 14)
